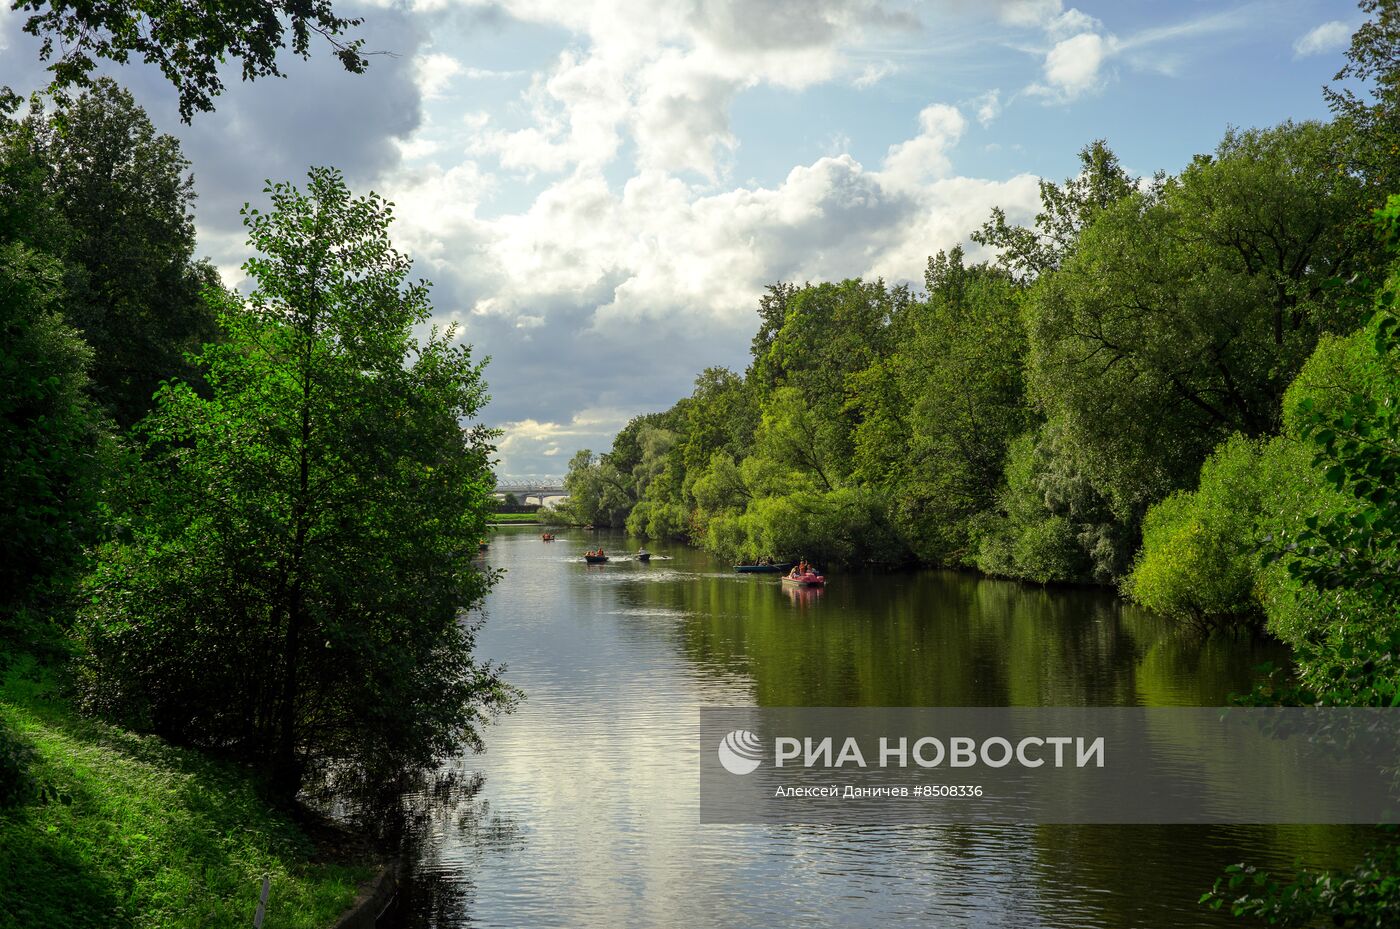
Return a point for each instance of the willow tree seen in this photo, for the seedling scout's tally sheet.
(296, 564)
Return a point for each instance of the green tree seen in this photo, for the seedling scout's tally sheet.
(1065, 211)
(598, 492)
(291, 580)
(960, 401)
(1183, 314)
(1345, 557)
(126, 197)
(1199, 558)
(1370, 112)
(51, 442)
(188, 42)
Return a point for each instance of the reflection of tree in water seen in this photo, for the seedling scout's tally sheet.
(448, 828)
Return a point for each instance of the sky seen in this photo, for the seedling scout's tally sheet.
(600, 190)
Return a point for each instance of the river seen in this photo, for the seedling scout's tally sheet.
(588, 811)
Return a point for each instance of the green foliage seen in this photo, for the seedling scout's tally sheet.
(51, 441)
(1368, 105)
(99, 190)
(123, 830)
(523, 518)
(1066, 209)
(188, 43)
(1366, 896)
(598, 492)
(1199, 550)
(1049, 524)
(1184, 312)
(1341, 559)
(944, 428)
(294, 561)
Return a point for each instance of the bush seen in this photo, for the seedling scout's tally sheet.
(1199, 558)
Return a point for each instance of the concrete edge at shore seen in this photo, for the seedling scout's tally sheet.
(373, 899)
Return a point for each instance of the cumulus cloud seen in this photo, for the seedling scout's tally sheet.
(617, 282)
(912, 163)
(1073, 66)
(1078, 46)
(1329, 37)
(434, 72)
(628, 261)
(666, 82)
(1077, 61)
(1048, 15)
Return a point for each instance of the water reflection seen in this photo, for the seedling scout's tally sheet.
(589, 813)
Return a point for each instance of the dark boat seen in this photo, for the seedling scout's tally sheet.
(644, 555)
(596, 559)
(763, 568)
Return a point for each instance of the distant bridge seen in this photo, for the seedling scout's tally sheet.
(536, 491)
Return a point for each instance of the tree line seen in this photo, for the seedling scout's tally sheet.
(242, 520)
(1184, 386)
(1037, 414)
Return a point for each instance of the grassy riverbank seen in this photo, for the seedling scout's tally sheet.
(513, 519)
(127, 830)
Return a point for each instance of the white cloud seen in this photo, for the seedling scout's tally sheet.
(433, 73)
(600, 259)
(988, 107)
(1329, 37)
(1073, 67)
(487, 74)
(530, 439)
(1047, 15)
(667, 80)
(1081, 49)
(873, 73)
(912, 163)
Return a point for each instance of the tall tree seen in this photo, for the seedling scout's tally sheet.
(1065, 210)
(50, 441)
(1184, 313)
(1371, 112)
(126, 195)
(292, 580)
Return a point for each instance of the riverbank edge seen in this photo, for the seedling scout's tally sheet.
(373, 898)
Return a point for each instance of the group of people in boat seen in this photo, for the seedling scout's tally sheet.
(801, 569)
(595, 553)
(763, 562)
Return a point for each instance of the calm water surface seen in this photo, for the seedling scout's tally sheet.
(588, 813)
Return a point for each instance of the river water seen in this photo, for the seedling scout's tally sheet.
(587, 813)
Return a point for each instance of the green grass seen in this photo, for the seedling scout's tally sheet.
(134, 832)
(513, 518)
